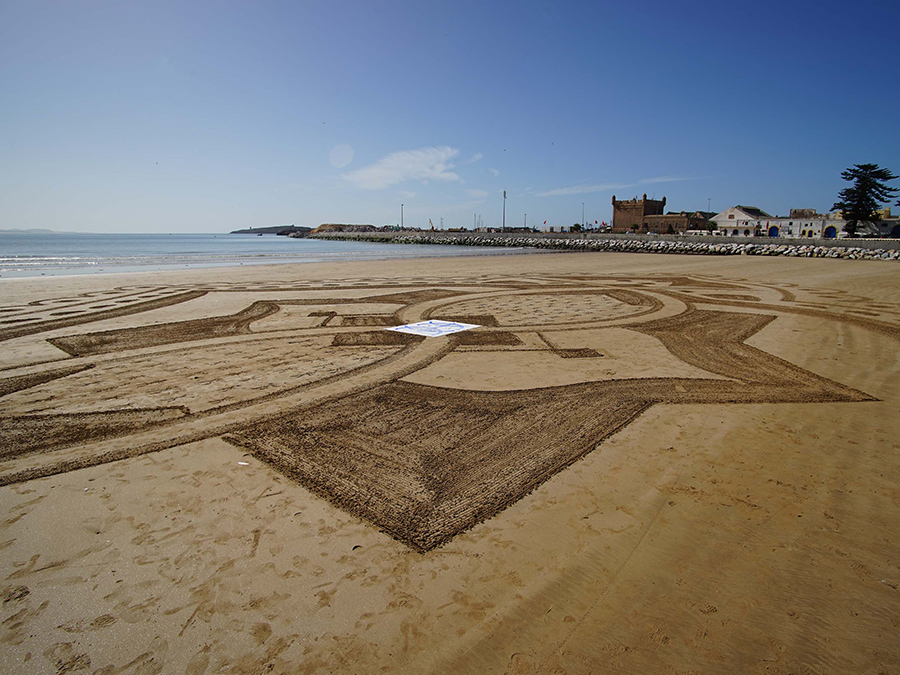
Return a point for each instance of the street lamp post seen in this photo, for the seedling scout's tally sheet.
(503, 225)
(401, 216)
(582, 215)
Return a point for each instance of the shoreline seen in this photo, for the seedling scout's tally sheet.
(460, 245)
(59, 255)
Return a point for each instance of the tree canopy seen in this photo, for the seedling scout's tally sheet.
(859, 203)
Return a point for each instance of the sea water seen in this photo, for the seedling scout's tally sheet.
(30, 253)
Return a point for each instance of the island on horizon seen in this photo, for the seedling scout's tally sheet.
(275, 229)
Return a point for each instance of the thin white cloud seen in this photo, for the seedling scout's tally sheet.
(478, 194)
(664, 179)
(406, 194)
(583, 189)
(603, 187)
(494, 171)
(423, 164)
(475, 158)
(340, 156)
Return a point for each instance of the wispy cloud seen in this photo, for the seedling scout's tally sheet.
(406, 194)
(664, 179)
(475, 158)
(603, 187)
(422, 164)
(583, 189)
(478, 194)
(340, 156)
(494, 171)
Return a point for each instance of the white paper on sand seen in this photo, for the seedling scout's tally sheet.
(434, 328)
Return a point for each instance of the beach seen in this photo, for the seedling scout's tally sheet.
(635, 463)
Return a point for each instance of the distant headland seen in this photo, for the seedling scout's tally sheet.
(283, 230)
(30, 230)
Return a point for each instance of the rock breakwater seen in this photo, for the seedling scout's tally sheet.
(638, 246)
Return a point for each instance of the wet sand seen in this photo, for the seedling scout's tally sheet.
(638, 464)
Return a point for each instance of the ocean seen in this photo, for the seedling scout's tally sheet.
(30, 253)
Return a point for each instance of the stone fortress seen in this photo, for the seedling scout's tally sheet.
(648, 216)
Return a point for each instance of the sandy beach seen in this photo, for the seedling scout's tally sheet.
(636, 464)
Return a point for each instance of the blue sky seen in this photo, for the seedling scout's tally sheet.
(211, 116)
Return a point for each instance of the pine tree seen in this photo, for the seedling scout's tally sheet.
(860, 201)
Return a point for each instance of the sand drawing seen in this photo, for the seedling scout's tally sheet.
(418, 436)
(21, 321)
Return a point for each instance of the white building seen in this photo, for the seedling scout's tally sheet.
(750, 221)
(809, 225)
(740, 221)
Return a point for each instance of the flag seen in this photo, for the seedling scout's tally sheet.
(545, 222)
(595, 222)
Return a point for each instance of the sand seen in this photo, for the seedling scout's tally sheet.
(637, 464)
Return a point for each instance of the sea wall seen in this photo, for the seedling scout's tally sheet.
(856, 249)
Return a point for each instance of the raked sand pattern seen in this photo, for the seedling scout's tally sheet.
(419, 441)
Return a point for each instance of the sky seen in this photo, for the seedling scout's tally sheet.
(212, 116)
